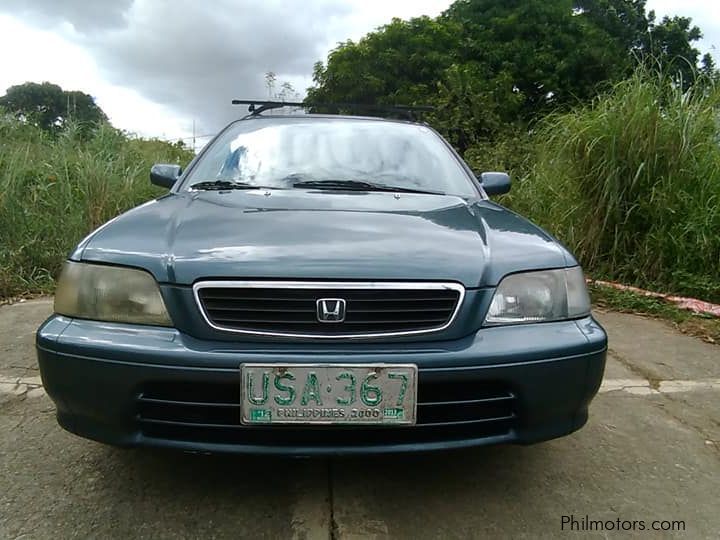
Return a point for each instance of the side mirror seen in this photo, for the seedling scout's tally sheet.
(495, 183)
(165, 175)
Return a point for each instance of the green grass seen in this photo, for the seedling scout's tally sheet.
(706, 327)
(631, 184)
(55, 190)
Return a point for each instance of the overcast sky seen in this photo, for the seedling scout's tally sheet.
(155, 66)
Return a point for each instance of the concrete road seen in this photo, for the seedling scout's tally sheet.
(651, 451)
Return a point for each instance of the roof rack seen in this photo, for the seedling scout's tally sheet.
(257, 107)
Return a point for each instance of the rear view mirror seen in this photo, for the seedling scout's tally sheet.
(164, 174)
(495, 183)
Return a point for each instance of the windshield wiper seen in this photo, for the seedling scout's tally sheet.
(216, 185)
(358, 185)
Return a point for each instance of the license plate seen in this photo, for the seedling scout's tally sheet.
(328, 394)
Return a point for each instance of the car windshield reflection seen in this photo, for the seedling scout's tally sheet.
(346, 150)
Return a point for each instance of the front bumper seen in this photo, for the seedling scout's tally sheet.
(143, 386)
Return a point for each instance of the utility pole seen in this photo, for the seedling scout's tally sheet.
(193, 135)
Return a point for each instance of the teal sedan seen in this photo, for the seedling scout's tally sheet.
(319, 284)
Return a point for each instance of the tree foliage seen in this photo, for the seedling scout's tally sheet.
(547, 52)
(670, 44)
(630, 182)
(401, 62)
(49, 107)
(489, 65)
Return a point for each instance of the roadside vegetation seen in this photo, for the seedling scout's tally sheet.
(611, 131)
(606, 116)
(57, 187)
(631, 183)
(705, 327)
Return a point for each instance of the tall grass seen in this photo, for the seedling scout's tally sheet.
(56, 189)
(631, 183)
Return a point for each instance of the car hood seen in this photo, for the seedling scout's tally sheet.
(298, 234)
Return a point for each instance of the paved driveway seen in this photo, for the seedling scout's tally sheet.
(651, 451)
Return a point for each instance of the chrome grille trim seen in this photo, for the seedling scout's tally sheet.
(358, 285)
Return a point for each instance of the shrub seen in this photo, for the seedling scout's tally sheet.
(631, 183)
(56, 189)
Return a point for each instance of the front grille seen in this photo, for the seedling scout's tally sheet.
(291, 309)
(210, 412)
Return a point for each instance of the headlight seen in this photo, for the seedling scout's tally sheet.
(548, 295)
(110, 293)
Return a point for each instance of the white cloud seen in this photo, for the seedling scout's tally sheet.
(50, 56)
(155, 65)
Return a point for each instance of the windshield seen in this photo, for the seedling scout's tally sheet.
(283, 152)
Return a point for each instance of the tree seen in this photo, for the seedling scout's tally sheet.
(670, 45)
(492, 62)
(401, 62)
(270, 79)
(625, 22)
(667, 44)
(548, 52)
(50, 107)
(707, 66)
(471, 108)
(287, 91)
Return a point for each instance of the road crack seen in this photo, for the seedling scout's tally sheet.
(707, 437)
(654, 387)
(334, 527)
(652, 379)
